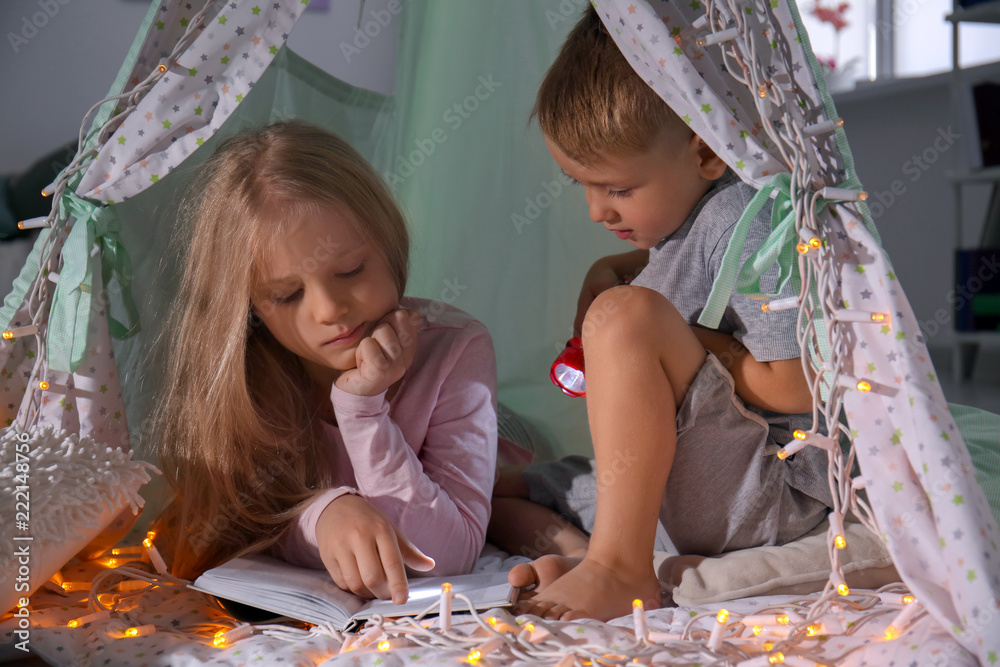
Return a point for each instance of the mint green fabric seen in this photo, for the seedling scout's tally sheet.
(981, 431)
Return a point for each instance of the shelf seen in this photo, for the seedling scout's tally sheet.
(984, 12)
(988, 175)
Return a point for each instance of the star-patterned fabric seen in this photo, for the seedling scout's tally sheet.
(199, 92)
(917, 471)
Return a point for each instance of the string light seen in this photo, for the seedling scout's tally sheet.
(154, 555)
(717, 38)
(810, 239)
(49, 190)
(18, 332)
(862, 385)
(140, 630)
(791, 448)
(126, 551)
(43, 385)
(225, 638)
(902, 620)
(849, 315)
(132, 585)
(838, 582)
(89, 618)
(444, 615)
(639, 621)
(476, 654)
(780, 304)
(837, 528)
(843, 194)
(33, 223)
(896, 598)
(823, 127)
(715, 637)
(73, 586)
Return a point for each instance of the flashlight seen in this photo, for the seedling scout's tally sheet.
(567, 369)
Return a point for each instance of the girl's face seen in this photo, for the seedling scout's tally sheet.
(322, 290)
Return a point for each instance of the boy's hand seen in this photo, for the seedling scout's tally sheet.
(599, 278)
(384, 355)
(364, 552)
(607, 272)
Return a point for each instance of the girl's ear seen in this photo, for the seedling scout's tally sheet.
(710, 165)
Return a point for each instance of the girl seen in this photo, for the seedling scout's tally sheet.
(309, 410)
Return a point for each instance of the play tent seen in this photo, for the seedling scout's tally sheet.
(740, 73)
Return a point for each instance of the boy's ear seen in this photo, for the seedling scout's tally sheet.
(710, 165)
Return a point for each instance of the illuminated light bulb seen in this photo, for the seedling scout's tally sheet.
(485, 649)
(838, 582)
(219, 640)
(134, 585)
(823, 126)
(781, 304)
(864, 386)
(757, 630)
(227, 637)
(776, 658)
(814, 629)
(70, 586)
(162, 67)
(762, 90)
(908, 599)
(83, 620)
(715, 637)
(782, 619)
(154, 556)
(799, 434)
(837, 530)
(126, 551)
(33, 223)
(385, 645)
(768, 646)
(18, 332)
(815, 243)
(43, 385)
(791, 448)
(444, 612)
(851, 315)
(639, 620)
(843, 194)
(803, 248)
(140, 631)
(902, 620)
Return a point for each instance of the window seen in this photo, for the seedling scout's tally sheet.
(851, 33)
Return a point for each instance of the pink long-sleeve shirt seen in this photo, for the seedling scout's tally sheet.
(426, 458)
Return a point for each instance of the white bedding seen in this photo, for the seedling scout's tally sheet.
(186, 619)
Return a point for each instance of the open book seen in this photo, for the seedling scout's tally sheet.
(311, 596)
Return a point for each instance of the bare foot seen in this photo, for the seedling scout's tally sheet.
(587, 590)
(541, 572)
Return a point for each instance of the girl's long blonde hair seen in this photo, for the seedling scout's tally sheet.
(234, 431)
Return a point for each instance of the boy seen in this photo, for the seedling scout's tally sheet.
(684, 420)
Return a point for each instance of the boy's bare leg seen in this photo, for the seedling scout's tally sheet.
(641, 358)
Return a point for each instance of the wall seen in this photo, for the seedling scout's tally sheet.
(905, 141)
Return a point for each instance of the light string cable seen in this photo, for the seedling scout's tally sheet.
(782, 121)
(40, 292)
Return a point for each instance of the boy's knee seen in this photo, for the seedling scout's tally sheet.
(622, 312)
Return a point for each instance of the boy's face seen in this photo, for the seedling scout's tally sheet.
(646, 197)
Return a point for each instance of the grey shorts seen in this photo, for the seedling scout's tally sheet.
(726, 491)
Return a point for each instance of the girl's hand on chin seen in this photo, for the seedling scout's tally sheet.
(384, 356)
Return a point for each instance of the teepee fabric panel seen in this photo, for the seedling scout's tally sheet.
(199, 91)
(920, 479)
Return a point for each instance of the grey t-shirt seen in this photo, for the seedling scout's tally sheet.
(684, 265)
(683, 268)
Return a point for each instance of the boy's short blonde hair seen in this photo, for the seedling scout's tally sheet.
(592, 104)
